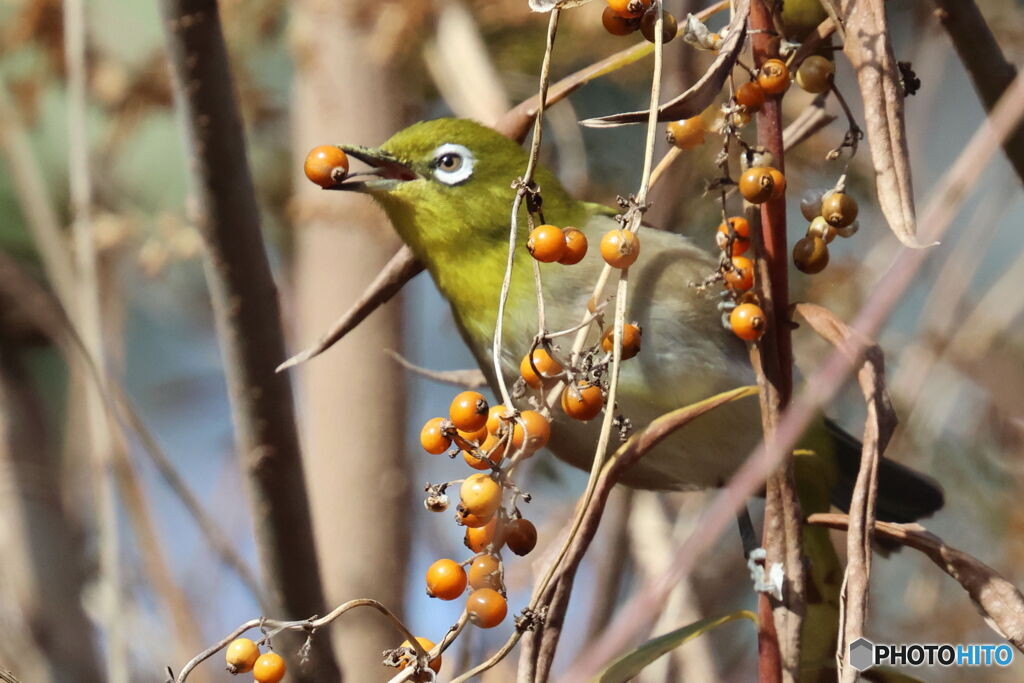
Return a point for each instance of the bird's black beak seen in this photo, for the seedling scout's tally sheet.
(386, 171)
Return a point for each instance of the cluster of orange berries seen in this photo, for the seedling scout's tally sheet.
(483, 434)
(622, 17)
(832, 213)
(243, 656)
(747, 320)
(550, 244)
(326, 165)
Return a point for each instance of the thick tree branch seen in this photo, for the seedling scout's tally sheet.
(248, 316)
(779, 636)
(985, 63)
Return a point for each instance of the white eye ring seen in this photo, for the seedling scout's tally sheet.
(453, 164)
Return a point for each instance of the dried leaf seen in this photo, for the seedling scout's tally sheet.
(869, 50)
(1001, 604)
(702, 93)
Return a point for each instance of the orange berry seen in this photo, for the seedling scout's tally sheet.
(618, 25)
(485, 572)
(741, 277)
(269, 668)
(810, 254)
(486, 608)
(427, 645)
(241, 655)
(493, 451)
(546, 243)
(476, 437)
(741, 232)
(815, 74)
(521, 536)
(575, 247)
(469, 411)
(839, 209)
(778, 183)
(773, 77)
(751, 96)
(489, 536)
(757, 184)
(547, 366)
(630, 340)
(326, 165)
(481, 495)
(432, 437)
(819, 227)
(536, 435)
(747, 321)
(582, 402)
(619, 248)
(649, 24)
(471, 521)
(446, 580)
(629, 8)
(685, 134)
(494, 415)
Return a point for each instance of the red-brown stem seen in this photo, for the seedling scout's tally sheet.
(779, 629)
(769, 666)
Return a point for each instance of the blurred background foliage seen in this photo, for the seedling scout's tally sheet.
(954, 350)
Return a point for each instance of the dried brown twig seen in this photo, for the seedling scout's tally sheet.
(470, 379)
(402, 267)
(999, 601)
(308, 626)
(878, 430)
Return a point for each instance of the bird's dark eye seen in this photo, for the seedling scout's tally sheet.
(449, 162)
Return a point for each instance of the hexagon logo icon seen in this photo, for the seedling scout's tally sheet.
(862, 654)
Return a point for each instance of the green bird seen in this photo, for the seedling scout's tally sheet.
(446, 186)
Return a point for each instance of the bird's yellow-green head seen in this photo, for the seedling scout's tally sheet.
(448, 182)
(447, 186)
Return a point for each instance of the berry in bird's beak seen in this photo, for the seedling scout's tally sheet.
(386, 171)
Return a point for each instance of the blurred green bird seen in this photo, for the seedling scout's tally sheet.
(446, 186)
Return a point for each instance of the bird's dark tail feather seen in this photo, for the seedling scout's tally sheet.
(904, 495)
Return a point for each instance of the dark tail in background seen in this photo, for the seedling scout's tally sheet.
(904, 495)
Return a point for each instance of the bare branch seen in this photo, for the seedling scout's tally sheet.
(472, 378)
(247, 314)
(985, 63)
(88, 317)
(402, 267)
(309, 627)
(878, 429)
